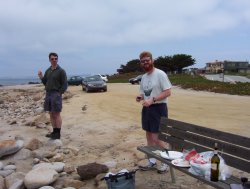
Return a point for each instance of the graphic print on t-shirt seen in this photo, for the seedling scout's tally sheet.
(147, 89)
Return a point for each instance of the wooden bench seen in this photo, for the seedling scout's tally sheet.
(234, 149)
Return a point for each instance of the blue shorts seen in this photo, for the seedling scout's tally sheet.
(151, 117)
(53, 102)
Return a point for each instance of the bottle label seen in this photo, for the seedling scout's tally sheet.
(214, 166)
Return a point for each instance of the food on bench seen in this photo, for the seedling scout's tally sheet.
(189, 154)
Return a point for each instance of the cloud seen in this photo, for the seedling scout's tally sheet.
(80, 26)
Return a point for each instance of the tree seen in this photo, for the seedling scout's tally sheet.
(131, 66)
(167, 63)
(174, 63)
(164, 63)
(181, 61)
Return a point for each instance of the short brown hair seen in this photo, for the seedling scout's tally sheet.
(146, 54)
(53, 54)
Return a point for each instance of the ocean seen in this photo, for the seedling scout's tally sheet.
(7, 81)
(18, 81)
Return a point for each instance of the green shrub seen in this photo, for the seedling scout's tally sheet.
(194, 82)
(200, 83)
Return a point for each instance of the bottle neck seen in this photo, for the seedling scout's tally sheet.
(215, 152)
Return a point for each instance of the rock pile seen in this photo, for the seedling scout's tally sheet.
(45, 166)
(31, 163)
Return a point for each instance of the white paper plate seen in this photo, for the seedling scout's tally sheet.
(171, 155)
(180, 163)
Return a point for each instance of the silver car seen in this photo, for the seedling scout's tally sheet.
(94, 83)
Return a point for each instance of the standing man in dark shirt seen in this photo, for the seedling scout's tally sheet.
(55, 81)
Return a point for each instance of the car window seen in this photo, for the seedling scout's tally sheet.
(93, 78)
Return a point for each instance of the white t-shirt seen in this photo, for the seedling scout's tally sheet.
(154, 83)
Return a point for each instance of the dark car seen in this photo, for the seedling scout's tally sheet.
(135, 80)
(75, 80)
(94, 83)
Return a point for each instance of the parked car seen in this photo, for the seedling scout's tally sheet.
(104, 77)
(135, 80)
(94, 83)
(75, 80)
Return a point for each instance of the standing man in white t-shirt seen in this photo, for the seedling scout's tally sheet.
(155, 87)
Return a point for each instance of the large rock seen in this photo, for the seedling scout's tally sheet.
(15, 179)
(2, 185)
(34, 144)
(57, 166)
(8, 147)
(47, 187)
(17, 185)
(22, 154)
(5, 173)
(40, 177)
(91, 170)
(43, 153)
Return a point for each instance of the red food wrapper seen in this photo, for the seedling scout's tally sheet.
(190, 154)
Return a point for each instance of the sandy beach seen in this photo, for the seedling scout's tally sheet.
(108, 130)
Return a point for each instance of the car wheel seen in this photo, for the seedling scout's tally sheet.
(87, 89)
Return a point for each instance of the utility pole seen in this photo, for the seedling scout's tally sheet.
(223, 72)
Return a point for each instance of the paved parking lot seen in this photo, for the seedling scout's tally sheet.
(227, 78)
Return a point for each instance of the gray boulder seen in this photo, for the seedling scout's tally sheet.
(37, 178)
(8, 147)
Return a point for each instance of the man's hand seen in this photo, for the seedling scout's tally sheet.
(148, 102)
(40, 74)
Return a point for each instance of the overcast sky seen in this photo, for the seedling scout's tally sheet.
(97, 36)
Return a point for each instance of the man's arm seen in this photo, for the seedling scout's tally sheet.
(164, 94)
(64, 82)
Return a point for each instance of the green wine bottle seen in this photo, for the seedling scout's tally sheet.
(215, 165)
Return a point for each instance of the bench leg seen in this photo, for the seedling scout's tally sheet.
(172, 172)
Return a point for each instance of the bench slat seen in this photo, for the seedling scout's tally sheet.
(231, 138)
(232, 149)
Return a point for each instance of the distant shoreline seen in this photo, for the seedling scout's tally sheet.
(18, 81)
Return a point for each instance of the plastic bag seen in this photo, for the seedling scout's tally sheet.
(202, 166)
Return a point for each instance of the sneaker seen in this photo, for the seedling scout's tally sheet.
(149, 166)
(163, 168)
(55, 136)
